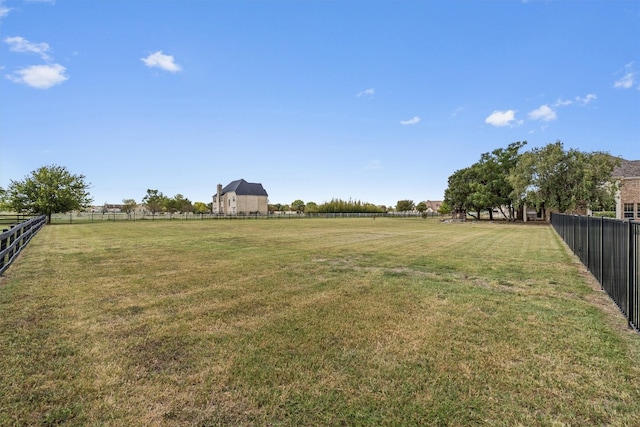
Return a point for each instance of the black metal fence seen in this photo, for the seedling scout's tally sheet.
(92, 217)
(610, 249)
(14, 239)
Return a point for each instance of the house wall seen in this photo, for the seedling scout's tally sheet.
(232, 204)
(227, 204)
(251, 204)
(629, 193)
(220, 207)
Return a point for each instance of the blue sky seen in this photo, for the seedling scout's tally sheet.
(376, 101)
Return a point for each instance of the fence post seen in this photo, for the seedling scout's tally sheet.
(587, 245)
(601, 252)
(12, 238)
(634, 264)
(630, 290)
(19, 239)
(3, 246)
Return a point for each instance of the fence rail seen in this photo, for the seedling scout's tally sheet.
(610, 249)
(14, 239)
(12, 219)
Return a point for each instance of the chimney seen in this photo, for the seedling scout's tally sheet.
(218, 201)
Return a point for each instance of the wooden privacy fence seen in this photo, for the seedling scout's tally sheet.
(14, 239)
(610, 249)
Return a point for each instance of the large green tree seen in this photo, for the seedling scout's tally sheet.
(485, 185)
(48, 190)
(552, 178)
(201, 208)
(178, 203)
(298, 206)
(154, 201)
(3, 198)
(463, 193)
(311, 207)
(492, 189)
(129, 206)
(405, 205)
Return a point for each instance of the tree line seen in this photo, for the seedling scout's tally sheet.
(155, 202)
(53, 189)
(347, 206)
(549, 178)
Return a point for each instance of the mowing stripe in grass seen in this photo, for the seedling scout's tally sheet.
(314, 322)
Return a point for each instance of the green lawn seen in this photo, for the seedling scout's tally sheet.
(310, 322)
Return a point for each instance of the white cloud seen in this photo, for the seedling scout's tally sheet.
(628, 79)
(544, 113)
(162, 61)
(562, 102)
(40, 76)
(4, 10)
(367, 92)
(578, 100)
(587, 99)
(501, 118)
(20, 44)
(414, 121)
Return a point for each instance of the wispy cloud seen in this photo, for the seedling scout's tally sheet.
(562, 102)
(544, 113)
(502, 118)
(20, 44)
(4, 10)
(162, 61)
(581, 101)
(628, 78)
(414, 121)
(587, 99)
(458, 111)
(40, 76)
(367, 92)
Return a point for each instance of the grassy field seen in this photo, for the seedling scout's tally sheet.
(310, 322)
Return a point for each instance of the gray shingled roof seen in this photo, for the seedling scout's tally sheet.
(244, 188)
(627, 169)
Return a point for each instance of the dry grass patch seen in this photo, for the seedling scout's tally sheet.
(310, 322)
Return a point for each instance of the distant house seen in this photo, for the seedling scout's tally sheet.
(110, 208)
(433, 206)
(628, 197)
(240, 198)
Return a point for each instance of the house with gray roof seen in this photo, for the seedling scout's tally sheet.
(240, 198)
(628, 197)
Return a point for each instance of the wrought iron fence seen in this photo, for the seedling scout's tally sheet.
(610, 249)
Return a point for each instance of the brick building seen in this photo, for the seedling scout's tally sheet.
(240, 198)
(628, 197)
